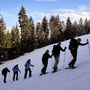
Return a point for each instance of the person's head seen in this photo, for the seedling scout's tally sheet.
(47, 51)
(79, 40)
(16, 66)
(59, 43)
(29, 61)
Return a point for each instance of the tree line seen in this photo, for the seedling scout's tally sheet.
(31, 36)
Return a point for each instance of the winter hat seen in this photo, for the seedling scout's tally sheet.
(79, 39)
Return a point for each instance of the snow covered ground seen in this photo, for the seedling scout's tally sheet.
(65, 79)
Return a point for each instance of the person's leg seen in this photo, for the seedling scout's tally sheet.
(30, 72)
(4, 78)
(56, 63)
(74, 59)
(74, 54)
(13, 76)
(16, 75)
(25, 75)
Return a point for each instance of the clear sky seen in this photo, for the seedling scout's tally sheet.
(75, 9)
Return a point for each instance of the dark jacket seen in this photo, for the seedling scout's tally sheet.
(5, 70)
(45, 58)
(74, 44)
(56, 50)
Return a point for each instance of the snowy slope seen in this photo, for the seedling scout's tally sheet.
(76, 79)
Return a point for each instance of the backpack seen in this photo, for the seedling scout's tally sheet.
(54, 49)
(2, 72)
(72, 43)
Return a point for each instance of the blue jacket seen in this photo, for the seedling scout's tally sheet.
(15, 69)
(27, 65)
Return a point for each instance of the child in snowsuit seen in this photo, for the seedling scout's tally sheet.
(4, 73)
(27, 68)
(15, 72)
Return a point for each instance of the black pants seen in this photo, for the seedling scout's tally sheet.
(26, 70)
(44, 69)
(74, 54)
(15, 74)
(4, 80)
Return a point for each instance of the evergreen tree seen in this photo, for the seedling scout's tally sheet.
(86, 26)
(37, 28)
(75, 29)
(68, 30)
(2, 31)
(81, 27)
(25, 32)
(40, 36)
(8, 43)
(45, 28)
(15, 37)
(56, 29)
(32, 33)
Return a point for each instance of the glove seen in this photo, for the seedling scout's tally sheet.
(87, 41)
(65, 48)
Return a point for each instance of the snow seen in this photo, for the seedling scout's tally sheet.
(65, 79)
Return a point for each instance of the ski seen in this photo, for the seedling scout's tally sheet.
(71, 67)
(56, 71)
(44, 74)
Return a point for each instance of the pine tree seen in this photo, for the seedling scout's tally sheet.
(75, 28)
(2, 32)
(45, 28)
(86, 26)
(56, 29)
(25, 33)
(8, 43)
(15, 37)
(40, 36)
(68, 30)
(81, 27)
(32, 33)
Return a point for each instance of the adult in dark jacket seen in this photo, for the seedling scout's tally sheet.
(45, 58)
(27, 68)
(56, 53)
(4, 73)
(73, 49)
(15, 72)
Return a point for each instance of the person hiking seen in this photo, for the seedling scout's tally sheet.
(56, 53)
(73, 47)
(27, 68)
(45, 58)
(4, 73)
(15, 72)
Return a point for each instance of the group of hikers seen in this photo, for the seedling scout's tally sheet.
(73, 47)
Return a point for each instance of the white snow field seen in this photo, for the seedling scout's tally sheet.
(65, 79)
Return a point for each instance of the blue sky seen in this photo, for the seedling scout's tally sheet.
(75, 9)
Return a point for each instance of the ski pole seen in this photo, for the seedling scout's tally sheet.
(88, 46)
(64, 59)
(32, 68)
(9, 76)
(51, 63)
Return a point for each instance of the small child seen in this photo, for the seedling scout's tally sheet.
(15, 72)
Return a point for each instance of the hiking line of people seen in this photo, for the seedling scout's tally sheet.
(73, 47)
